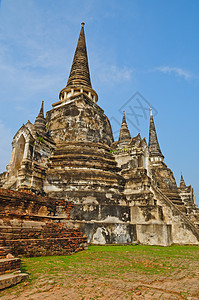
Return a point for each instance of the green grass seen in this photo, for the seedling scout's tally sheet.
(99, 260)
(108, 263)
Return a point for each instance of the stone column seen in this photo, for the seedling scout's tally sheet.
(10, 165)
(26, 148)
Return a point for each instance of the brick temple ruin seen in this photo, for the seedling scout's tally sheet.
(117, 192)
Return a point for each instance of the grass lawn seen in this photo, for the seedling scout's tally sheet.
(112, 272)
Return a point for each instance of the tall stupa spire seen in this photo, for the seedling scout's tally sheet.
(154, 147)
(79, 81)
(79, 73)
(40, 121)
(182, 182)
(124, 131)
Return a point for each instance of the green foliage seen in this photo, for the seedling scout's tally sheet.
(41, 139)
(112, 151)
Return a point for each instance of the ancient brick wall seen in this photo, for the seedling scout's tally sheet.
(51, 239)
(8, 265)
(32, 225)
(26, 205)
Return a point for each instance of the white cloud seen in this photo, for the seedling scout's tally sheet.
(176, 71)
(113, 74)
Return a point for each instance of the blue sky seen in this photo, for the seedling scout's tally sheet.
(150, 47)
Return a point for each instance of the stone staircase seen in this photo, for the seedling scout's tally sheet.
(10, 273)
(186, 220)
(174, 196)
(191, 214)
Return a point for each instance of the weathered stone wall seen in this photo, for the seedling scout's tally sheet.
(154, 234)
(2, 178)
(79, 120)
(28, 163)
(112, 232)
(156, 219)
(163, 177)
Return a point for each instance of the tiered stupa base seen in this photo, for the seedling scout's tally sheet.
(85, 173)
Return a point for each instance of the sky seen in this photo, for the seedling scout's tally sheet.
(141, 54)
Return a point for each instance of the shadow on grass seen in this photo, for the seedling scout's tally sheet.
(24, 268)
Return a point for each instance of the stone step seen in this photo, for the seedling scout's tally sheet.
(86, 163)
(182, 208)
(7, 280)
(176, 199)
(3, 252)
(1, 242)
(178, 204)
(173, 196)
(49, 231)
(8, 265)
(38, 235)
(46, 246)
